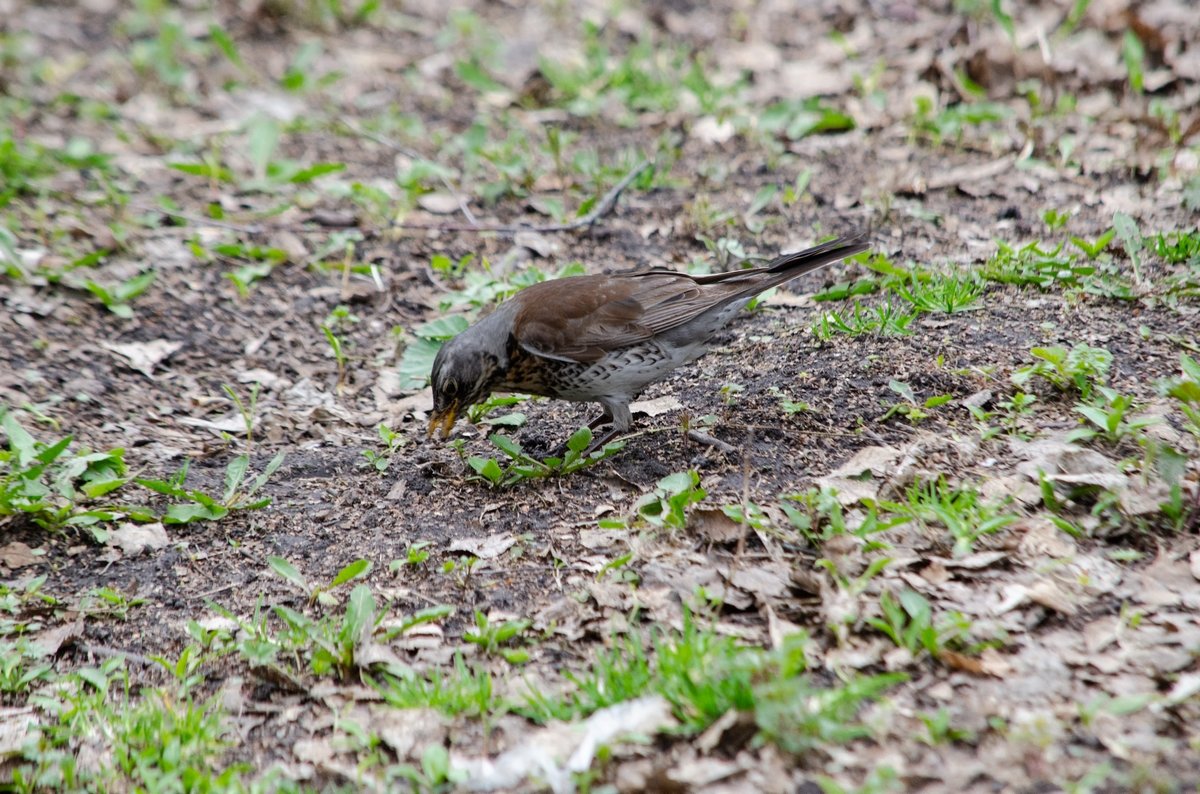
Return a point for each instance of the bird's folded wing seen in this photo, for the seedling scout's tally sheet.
(585, 324)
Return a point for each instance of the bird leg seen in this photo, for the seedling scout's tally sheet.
(598, 443)
(616, 412)
(600, 421)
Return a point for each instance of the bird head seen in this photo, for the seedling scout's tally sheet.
(461, 377)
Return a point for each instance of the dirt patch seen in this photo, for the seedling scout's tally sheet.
(295, 181)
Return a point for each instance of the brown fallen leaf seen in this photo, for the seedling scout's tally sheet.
(715, 526)
(19, 555)
(960, 661)
(49, 641)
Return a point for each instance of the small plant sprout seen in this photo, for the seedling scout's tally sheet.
(1107, 417)
(522, 467)
(415, 555)
(199, 506)
(459, 690)
(247, 410)
(392, 441)
(1133, 52)
(962, 511)
(730, 393)
(908, 620)
(936, 126)
(333, 644)
(938, 729)
(319, 593)
(49, 483)
(492, 637)
(1185, 390)
(108, 602)
(1093, 248)
(261, 262)
(1014, 413)
(789, 406)
(1034, 266)
(1082, 368)
(886, 319)
(1055, 219)
(667, 505)
(941, 293)
(339, 354)
(1131, 238)
(117, 297)
(1178, 247)
(910, 407)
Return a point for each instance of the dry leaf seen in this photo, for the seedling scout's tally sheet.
(487, 548)
(49, 641)
(144, 356)
(18, 555)
(765, 581)
(656, 406)
(133, 539)
(17, 727)
(439, 203)
(715, 526)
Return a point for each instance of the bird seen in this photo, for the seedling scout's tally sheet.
(603, 338)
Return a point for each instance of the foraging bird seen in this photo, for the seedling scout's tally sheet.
(603, 339)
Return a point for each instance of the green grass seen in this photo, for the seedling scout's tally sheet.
(937, 126)
(459, 690)
(942, 293)
(153, 740)
(704, 675)
(886, 319)
(961, 511)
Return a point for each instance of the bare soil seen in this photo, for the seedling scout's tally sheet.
(1061, 605)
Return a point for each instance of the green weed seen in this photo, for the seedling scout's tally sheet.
(1081, 368)
(522, 467)
(911, 408)
(883, 320)
(961, 511)
(239, 494)
(667, 505)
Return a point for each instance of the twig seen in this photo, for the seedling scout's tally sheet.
(741, 544)
(710, 441)
(404, 150)
(197, 219)
(602, 208)
(1194, 520)
(112, 653)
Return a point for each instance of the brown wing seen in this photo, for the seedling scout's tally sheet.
(584, 317)
(579, 318)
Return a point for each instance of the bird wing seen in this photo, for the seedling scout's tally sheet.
(583, 318)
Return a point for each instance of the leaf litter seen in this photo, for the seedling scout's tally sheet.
(1068, 635)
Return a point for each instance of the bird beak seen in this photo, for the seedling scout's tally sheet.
(443, 420)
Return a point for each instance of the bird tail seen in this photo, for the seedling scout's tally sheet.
(747, 283)
(818, 256)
